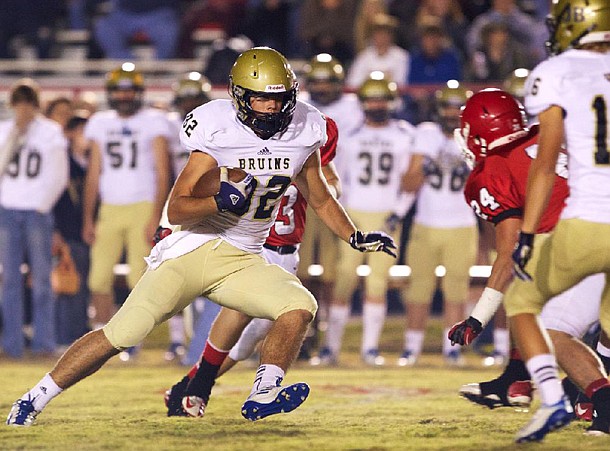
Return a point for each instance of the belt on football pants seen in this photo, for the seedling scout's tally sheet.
(282, 250)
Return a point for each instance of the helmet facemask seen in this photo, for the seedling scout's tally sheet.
(123, 80)
(265, 125)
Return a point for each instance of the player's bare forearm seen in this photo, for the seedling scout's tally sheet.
(542, 172)
(413, 178)
(329, 172)
(312, 184)
(502, 269)
(336, 219)
(183, 208)
(92, 180)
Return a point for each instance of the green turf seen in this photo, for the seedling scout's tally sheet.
(350, 407)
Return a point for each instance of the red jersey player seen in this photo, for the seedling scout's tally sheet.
(497, 142)
(281, 248)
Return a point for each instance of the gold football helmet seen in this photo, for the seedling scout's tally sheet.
(191, 91)
(572, 23)
(448, 102)
(263, 71)
(125, 78)
(325, 78)
(378, 97)
(377, 86)
(515, 83)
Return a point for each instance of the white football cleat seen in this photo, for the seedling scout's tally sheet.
(545, 420)
(271, 400)
(22, 413)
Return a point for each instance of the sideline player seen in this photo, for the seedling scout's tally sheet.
(129, 171)
(497, 142)
(379, 154)
(276, 138)
(444, 230)
(569, 93)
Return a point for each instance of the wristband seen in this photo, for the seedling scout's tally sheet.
(487, 305)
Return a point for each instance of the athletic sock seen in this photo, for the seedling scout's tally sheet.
(203, 379)
(267, 376)
(337, 319)
(502, 341)
(43, 392)
(600, 395)
(447, 347)
(373, 318)
(176, 329)
(414, 341)
(544, 372)
(604, 354)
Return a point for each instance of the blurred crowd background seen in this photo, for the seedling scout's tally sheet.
(417, 43)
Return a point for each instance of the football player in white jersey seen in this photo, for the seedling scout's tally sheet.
(570, 94)
(33, 175)
(129, 172)
(379, 154)
(267, 132)
(444, 229)
(325, 80)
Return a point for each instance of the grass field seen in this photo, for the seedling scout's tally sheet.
(350, 407)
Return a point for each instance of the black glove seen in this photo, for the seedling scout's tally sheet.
(372, 242)
(235, 196)
(465, 332)
(522, 254)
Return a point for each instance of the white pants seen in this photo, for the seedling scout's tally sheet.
(576, 310)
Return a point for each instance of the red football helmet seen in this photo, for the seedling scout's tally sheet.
(490, 119)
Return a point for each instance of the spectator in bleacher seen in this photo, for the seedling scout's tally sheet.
(224, 15)
(267, 24)
(364, 22)
(382, 54)
(31, 20)
(405, 12)
(59, 110)
(498, 57)
(434, 60)
(223, 56)
(474, 8)
(153, 20)
(448, 14)
(327, 26)
(32, 178)
(71, 309)
(522, 27)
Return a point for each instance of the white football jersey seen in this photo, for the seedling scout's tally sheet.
(128, 165)
(345, 111)
(579, 82)
(178, 154)
(37, 174)
(440, 200)
(213, 128)
(375, 160)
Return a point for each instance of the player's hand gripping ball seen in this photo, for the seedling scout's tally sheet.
(232, 188)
